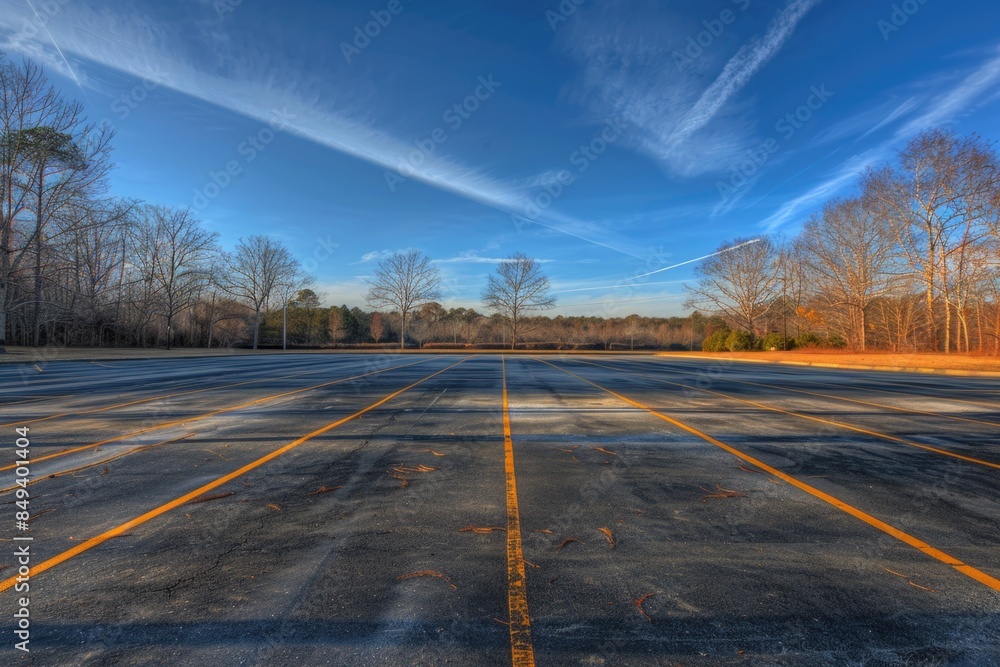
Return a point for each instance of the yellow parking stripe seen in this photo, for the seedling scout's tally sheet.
(820, 420)
(906, 538)
(201, 490)
(186, 420)
(522, 651)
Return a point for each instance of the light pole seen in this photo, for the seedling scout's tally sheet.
(286, 296)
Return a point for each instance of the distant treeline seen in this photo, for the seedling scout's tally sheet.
(912, 263)
(434, 327)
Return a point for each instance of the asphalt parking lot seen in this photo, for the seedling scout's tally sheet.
(495, 510)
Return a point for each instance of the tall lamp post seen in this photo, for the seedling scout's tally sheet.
(286, 296)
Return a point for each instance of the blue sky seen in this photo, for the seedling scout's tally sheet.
(607, 139)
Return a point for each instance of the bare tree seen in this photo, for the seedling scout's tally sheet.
(306, 316)
(934, 201)
(50, 159)
(849, 253)
(974, 252)
(793, 288)
(377, 328)
(256, 272)
(519, 287)
(336, 324)
(403, 281)
(177, 254)
(740, 282)
(463, 323)
(426, 321)
(632, 327)
(98, 249)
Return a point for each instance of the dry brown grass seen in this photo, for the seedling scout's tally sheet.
(638, 602)
(482, 530)
(426, 573)
(939, 361)
(324, 489)
(721, 493)
(908, 580)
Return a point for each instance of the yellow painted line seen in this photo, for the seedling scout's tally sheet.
(820, 420)
(201, 490)
(185, 420)
(860, 402)
(906, 538)
(154, 398)
(973, 375)
(909, 394)
(869, 403)
(895, 392)
(521, 649)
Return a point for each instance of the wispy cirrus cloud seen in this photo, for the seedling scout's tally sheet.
(372, 256)
(900, 111)
(618, 285)
(938, 108)
(819, 194)
(220, 71)
(376, 255)
(941, 108)
(629, 71)
(474, 258)
(740, 69)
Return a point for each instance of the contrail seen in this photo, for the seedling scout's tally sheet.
(696, 259)
(601, 244)
(72, 72)
(665, 297)
(335, 130)
(741, 68)
(615, 286)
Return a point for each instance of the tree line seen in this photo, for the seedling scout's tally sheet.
(78, 267)
(432, 326)
(911, 263)
(908, 264)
